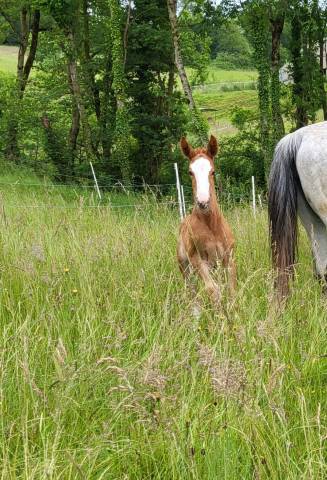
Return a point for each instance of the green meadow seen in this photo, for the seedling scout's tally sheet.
(106, 374)
(217, 75)
(8, 59)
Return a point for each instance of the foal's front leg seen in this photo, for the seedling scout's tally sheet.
(229, 264)
(203, 270)
(187, 271)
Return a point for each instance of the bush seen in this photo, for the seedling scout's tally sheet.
(233, 61)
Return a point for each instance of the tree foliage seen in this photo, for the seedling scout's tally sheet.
(103, 89)
(97, 80)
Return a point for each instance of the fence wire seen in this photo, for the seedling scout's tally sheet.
(154, 195)
(81, 207)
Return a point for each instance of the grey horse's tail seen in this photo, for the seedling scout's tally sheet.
(282, 209)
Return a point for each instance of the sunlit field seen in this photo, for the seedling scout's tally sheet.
(105, 374)
(218, 106)
(218, 75)
(222, 92)
(8, 59)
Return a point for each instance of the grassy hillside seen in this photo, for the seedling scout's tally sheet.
(106, 374)
(8, 59)
(217, 75)
(217, 103)
(218, 106)
(224, 102)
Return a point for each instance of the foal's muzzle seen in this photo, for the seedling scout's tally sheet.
(203, 205)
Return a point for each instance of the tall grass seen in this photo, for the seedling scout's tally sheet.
(105, 374)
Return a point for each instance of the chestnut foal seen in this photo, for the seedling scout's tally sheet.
(205, 237)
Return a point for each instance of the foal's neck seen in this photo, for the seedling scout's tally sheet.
(212, 216)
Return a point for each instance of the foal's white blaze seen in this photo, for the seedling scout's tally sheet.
(201, 168)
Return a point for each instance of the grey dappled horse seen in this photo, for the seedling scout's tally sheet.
(298, 184)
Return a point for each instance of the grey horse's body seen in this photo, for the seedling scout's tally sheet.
(298, 185)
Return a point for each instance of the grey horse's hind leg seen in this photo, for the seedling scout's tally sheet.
(317, 234)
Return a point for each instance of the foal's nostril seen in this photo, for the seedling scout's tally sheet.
(202, 205)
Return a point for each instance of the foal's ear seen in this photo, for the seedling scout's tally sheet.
(186, 148)
(212, 147)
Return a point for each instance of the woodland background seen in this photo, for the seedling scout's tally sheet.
(96, 80)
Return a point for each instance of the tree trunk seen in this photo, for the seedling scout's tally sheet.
(88, 63)
(23, 42)
(57, 152)
(69, 28)
(33, 47)
(198, 123)
(74, 129)
(170, 86)
(264, 109)
(108, 113)
(301, 115)
(320, 18)
(12, 152)
(75, 124)
(278, 130)
(172, 5)
(259, 25)
(171, 80)
(73, 75)
(128, 20)
(322, 78)
(122, 133)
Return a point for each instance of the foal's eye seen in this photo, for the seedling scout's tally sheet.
(212, 173)
(191, 173)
